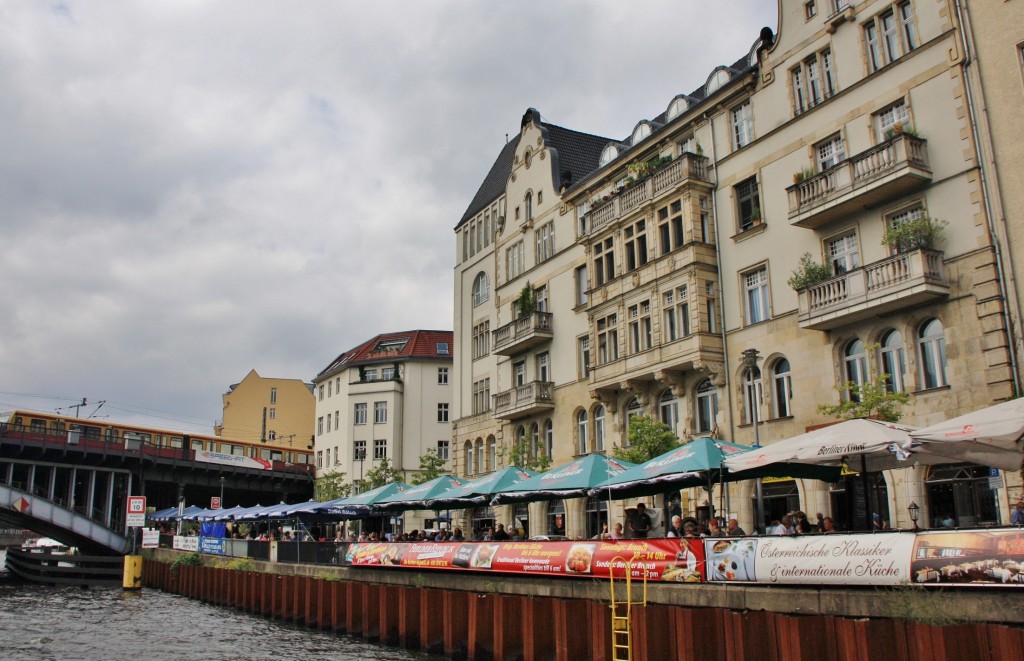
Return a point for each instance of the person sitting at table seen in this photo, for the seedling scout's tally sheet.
(734, 529)
(714, 529)
(676, 529)
(500, 535)
(829, 526)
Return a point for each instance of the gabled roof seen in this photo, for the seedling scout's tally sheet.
(414, 345)
(577, 154)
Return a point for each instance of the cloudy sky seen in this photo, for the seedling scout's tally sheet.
(192, 189)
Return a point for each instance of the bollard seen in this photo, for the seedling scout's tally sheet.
(132, 577)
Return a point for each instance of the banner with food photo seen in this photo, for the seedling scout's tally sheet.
(876, 559)
(992, 557)
(675, 560)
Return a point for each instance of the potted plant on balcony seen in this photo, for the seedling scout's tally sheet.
(526, 304)
(809, 273)
(898, 128)
(803, 175)
(914, 234)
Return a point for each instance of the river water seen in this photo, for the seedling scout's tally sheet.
(72, 623)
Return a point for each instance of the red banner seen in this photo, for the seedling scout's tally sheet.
(672, 560)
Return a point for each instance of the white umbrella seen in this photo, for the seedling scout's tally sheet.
(992, 436)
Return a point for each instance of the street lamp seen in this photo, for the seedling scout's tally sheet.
(750, 357)
(360, 456)
(914, 509)
(222, 478)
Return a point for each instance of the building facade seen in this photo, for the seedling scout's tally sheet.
(274, 411)
(845, 137)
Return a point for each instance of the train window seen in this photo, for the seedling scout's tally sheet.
(275, 455)
(146, 438)
(264, 453)
(238, 450)
(38, 425)
(197, 444)
(177, 442)
(91, 432)
(58, 426)
(110, 434)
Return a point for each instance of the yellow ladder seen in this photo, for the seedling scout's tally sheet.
(622, 621)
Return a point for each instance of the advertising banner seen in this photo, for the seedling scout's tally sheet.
(879, 559)
(183, 543)
(978, 557)
(150, 538)
(232, 460)
(675, 560)
(214, 545)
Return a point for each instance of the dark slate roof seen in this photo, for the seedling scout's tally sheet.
(577, 155)
(420, 345)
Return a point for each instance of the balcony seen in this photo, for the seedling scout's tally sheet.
(687, 166)
(887, 170)
(525, 400)
(680, 355)
(898, 282)
(523, 333)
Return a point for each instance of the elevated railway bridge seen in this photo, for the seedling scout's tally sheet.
(71, 482)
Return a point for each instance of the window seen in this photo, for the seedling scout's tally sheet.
(890, 35)
(481, 396)
(669, 327)
(543, 367)
(583, 356)
(604, 261)
(442, 412)
(688, 145)
(705, 222)
(742, 125)
(900, 217)
(442, 376)
(481, 467)
(756, 287)
(481, 288)
(272, 414)
(492, 452)
(581, 432)
(319, 425)
(782, 388)
(706, 406)
(752, 395)
(892, 361)
(856, 365)
(370, 375)
(608, 154)
(337, 420)
(640, 327)
(468, 450)
(273, 395)
(359, 418)
(528, 202)
(887, 119)
(599, 429)
(932, 353)
(810, 11)
(668, 411)
(712, 306)
(607, 339)
(515, 258)
(549, 438)
(321, 390)
(581, 285)
(670, 227)
(545, 242)
(636, 245)
(380, 412)
(813, 81)
(442, 450)
(519, 373)
(481, 339)
(829, 152)
(328, 422)
(387, 374)
(380, 449)
(329, 386)
(442, 348)
(748, 201)
(540, 299)
(319, 458)
(358, 450)
(843, 254)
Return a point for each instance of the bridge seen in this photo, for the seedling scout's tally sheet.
(74, 488)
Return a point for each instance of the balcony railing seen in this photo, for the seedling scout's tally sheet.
(901, 281)
(523, 333)
(525, 400)
(687, 166)
(892, 168)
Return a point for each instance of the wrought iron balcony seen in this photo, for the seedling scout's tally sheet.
(901, 281)
(525, 400)
(887, 170)
(523, 333)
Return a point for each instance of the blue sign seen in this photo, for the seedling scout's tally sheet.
(213, 545)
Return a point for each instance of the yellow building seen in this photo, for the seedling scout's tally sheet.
(275, 411)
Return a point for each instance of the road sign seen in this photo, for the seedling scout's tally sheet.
(215, 503)
(136, 512)
(150, 538)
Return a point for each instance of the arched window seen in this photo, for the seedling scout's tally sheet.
(468, 450)
(609, 154)
(481, 467)
(706, 404)
(782, 388)
(492, 452)
(931, 349)
(642, 130)
(599, 429)
(719, 78)
(633, 409)
(752, 395)
(581, 433)
(549, 438)
(678, 106)
(481, 288)
(668, 411)
(529, 205)
(892, 361)
(855, 362)
(556, 517)
(534, 441)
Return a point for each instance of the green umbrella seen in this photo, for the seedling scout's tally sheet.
(361, 504)
(572, 480)
(479, 491)
(420, 496)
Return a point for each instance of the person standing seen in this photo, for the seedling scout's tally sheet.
(641, 523)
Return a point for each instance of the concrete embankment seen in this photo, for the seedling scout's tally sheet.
(496, 617)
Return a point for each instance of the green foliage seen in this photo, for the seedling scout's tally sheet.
(526, 304)
(809, 273)
(331, 487)
(803, 175)
(241, 564)
(525, 455)
(923, 232)
(873, 399)
(431, 467)
(648, 438)
(640, 170)
(381, 474)
(193, 559)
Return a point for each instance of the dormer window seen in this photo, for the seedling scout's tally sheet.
(391, 345)
(718, 78)
(442, 348)
(609, 154)
(678, 106)
(642, 130)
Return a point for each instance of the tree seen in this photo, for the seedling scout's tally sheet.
(331, 487)
(381, 474)
(526, 453)
(872, 399)
(648, 438)
(431, 467)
